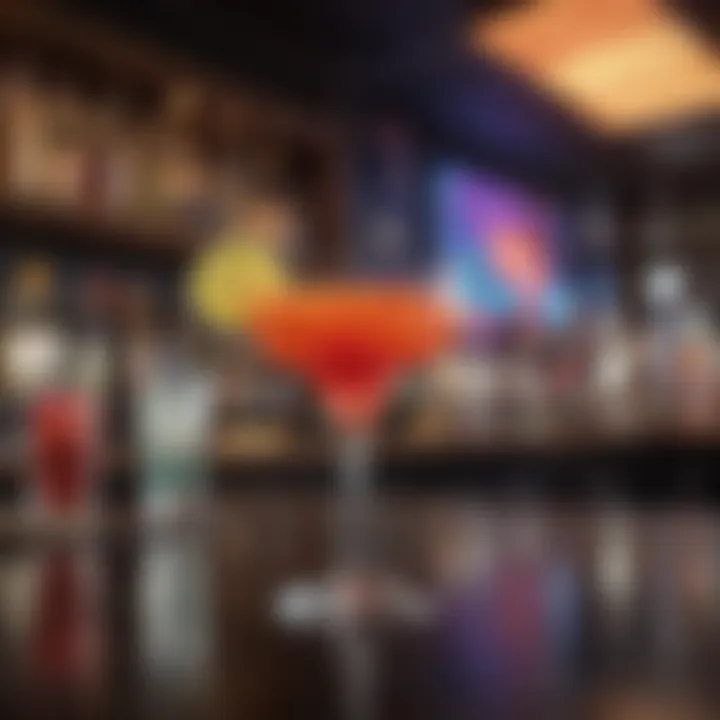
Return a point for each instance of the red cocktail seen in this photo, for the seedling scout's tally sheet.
(351, 342)
(62, 429)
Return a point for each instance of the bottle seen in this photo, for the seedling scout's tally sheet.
(34, 345)
(612, 374)
(122, 161)
(93, 343)
(24, 134)
(97, 175)
(181, 172)
(147, 200)
(696, 363)
(173, 403)
(64, 147)
(56, 416)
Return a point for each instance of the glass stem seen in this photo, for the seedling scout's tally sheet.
(354, 501)
(354, 532)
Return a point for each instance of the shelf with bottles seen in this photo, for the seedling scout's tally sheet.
(93, 50)
(596, 387)
(74, 321)
(106, 172)
(123, 144)
(272, 451)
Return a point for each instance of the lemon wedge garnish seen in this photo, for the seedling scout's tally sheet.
(229, 278)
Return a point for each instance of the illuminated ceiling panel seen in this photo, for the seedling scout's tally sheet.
(624, 64)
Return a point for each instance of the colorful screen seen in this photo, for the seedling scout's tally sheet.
(500, 252)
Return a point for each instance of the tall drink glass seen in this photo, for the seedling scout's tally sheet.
(63, 430)
(173, 412)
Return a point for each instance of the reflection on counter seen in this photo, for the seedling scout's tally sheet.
(534, 610)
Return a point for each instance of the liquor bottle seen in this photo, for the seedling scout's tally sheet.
(95, 176)
(22, 110)
(123, 161)
(92, 316)
(181, 171)
(696, 374)
(182, 182)
(94, 356)
(64, 147)
(56, 417)
(612, 374)
(33, 342)
(145, 198)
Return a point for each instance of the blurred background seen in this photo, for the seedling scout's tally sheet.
(551, 167)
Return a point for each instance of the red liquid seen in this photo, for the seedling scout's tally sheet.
(61, 427)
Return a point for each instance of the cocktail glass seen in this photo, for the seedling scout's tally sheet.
(351, 343)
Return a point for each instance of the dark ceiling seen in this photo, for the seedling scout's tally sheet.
(408, 58)
(703, 14)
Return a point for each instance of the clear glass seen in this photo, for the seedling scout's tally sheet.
(354, 563)
(173, 415)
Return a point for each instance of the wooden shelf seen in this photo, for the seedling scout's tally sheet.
(256, 121)
(289, 453)
(284, 449)
(69, 227)
(36, 25)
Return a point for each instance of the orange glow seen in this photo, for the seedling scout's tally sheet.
(620, 63)
(544, 33)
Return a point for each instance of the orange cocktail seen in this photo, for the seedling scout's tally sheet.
(350, 342)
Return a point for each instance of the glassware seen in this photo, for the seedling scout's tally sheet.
(172, 423)
(62, 428)
(351, 344)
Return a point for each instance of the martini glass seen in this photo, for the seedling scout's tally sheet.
(351, 343)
